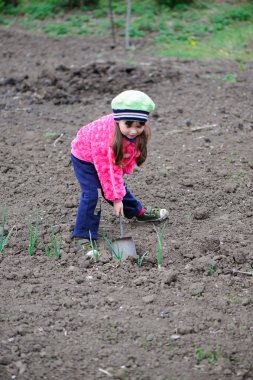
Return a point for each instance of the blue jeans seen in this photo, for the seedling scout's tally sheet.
(88, 214)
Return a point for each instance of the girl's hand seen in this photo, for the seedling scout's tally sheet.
(118, 208)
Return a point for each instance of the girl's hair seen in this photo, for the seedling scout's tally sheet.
(142, 141)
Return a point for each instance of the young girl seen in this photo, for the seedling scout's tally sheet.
(102, 152)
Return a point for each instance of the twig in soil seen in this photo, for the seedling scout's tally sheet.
(207, 126)
(105, 372)
(58, 139)
(235, 272)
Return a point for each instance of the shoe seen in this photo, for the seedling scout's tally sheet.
(85, 246)
(153, 215)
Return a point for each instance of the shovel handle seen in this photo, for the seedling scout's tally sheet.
(121, 226)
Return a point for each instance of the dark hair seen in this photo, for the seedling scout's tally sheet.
(141, 144)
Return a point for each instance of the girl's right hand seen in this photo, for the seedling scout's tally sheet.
(118, 208)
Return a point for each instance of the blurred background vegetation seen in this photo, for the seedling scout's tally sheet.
(179, 28)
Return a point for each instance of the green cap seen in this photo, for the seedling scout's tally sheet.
(127, 103)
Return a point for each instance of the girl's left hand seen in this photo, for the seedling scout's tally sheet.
(118, 208)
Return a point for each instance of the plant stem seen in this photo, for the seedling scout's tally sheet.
(4, 240)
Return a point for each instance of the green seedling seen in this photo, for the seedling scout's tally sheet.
(239, 174)
(200, 354)
(229, 78)
(3, 317)
(211, 270)
(33, 236)
(140, 259)
(231, 159)
(47, 249)
(111, 334)
(117, 255)
(211, 356)
(160, 244)
(56, 243)
(4, 239)
(95, 254)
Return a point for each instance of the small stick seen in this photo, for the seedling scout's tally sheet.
(105, 372)
(235, 271)
(58, 138)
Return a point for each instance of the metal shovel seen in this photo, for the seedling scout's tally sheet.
(124, 245)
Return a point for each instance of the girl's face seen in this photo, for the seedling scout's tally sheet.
(131, 129)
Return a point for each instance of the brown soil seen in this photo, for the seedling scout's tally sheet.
(73, 319)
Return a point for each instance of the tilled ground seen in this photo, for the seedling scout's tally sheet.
(73, 319)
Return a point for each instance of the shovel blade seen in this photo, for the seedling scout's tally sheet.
(125, 246)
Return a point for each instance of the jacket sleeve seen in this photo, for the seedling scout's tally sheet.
(110, 175)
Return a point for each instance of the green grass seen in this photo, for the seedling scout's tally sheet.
(211, 356)
(239, 174)
(231, 43)
(203, 30)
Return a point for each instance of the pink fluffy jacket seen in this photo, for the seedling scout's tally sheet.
(93, 143)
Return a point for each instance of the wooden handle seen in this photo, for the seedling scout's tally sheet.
(121, 226)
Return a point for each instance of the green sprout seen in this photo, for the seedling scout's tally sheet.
(211, 270)
(56, 243)
(211, 356)
(4, 239)
(229, 78)
(140, 259)
(239, 174)
(117, 254)
(160, 244)
(200, 354)
(47, 249)
(94, 247)
(230, 159)
(33, 236)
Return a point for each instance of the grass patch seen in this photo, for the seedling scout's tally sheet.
(211, 356)
(239, 174)
(212, 30)
(231, 43)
